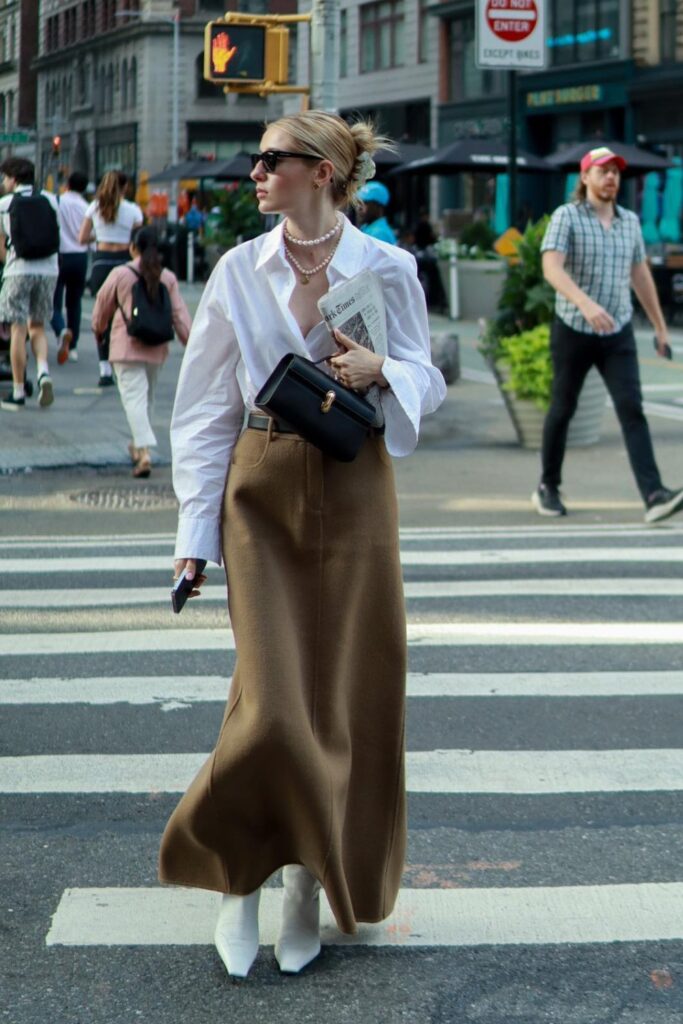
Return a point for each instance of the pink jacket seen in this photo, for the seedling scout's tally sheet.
(118, 287)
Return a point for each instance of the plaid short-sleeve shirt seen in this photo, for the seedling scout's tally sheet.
(598, 260)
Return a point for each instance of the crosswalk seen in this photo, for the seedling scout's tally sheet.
(545, 694)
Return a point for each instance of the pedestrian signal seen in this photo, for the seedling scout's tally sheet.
(247, 54)
(56, 145)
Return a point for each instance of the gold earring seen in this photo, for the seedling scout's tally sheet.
(316, 185)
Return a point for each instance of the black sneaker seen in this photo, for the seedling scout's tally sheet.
(45, 393)
(662, 504)
(11, 404)
(106, 381)
(546, 501)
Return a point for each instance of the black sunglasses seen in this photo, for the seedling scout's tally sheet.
(271, 157)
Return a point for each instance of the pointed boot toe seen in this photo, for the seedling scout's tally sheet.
(236, 935)
(299, 940)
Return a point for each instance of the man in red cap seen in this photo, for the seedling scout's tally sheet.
(593, 254)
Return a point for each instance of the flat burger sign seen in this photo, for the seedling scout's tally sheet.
(511, 33)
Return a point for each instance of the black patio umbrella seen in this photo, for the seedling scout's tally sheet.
(238, 167)
(489, 155)
(638, 160)
(405, 152)
(185, 169)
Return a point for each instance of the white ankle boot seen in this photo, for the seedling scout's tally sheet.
(299, 940)
(236, 934)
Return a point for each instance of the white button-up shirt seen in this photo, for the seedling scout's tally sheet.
(244, 326)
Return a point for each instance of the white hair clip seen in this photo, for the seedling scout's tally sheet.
(365, 169)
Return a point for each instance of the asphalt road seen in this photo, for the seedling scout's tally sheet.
(555, 861)
(543, 880)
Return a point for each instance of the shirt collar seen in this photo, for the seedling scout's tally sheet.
(591, 209)
(345, 262)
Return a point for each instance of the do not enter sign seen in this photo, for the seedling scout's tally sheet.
(512, 20)
(511, 33)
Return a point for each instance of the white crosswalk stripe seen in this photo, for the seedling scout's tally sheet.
(426, 917)
(105, 564)
(172, 693)
(434, 771)
(581, 565)
(98, 597)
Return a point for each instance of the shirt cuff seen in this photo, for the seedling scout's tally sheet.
(199, 537)
(401, 405)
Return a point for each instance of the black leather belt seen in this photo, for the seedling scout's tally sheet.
(258, 422)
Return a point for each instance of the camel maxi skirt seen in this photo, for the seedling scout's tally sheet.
(309, 764)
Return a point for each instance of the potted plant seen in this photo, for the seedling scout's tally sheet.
(234, 218)
(516, 345)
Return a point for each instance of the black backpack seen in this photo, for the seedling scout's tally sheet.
(33, 226)
(151, 321)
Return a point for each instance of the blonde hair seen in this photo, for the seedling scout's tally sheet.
(108, 196)
(580, 192)
(331, 138)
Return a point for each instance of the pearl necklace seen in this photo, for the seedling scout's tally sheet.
(308, 272)
(314, 241)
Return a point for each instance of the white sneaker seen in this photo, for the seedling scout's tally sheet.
(73, 356)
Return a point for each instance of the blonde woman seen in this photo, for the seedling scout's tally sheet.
(308, 771)
(110, 220)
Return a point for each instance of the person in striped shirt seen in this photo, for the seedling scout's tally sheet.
(593, 254)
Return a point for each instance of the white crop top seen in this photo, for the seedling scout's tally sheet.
(128, 216)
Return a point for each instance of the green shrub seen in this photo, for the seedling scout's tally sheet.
(240, 218)
(527, 299)
(526, 357)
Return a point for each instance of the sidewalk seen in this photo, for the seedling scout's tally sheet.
(86, 425)
(469, 466)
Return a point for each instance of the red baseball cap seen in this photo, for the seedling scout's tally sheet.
(602, 155)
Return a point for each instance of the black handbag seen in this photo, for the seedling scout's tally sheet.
(332, 417)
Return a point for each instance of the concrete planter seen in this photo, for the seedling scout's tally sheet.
(528, 419)
(480, 283)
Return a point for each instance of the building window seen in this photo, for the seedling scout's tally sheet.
(133, 83)
(466, 81)
(343, 44)
(667, 31)
(382, 36)
(110, 89)
(583, 30)
(423, 32)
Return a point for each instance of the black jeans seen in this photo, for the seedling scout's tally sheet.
(102, 266)
(614, 355)
(73, 269)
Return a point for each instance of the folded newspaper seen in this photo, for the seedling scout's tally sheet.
(356, 308)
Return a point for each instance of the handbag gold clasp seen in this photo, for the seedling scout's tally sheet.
(328, 400)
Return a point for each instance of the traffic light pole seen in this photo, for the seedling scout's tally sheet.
(325, 55)
(512, 147)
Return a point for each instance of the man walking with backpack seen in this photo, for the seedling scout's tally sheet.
(29, 244)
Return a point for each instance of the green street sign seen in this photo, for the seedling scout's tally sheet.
(14, 137)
